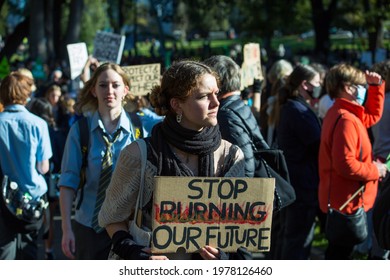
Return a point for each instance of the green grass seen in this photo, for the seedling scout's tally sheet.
(293, 42)
(319, 240)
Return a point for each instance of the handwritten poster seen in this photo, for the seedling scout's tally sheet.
(191, 212)
(78, 56)
(251, 66)
(143, 77)
(108, 47)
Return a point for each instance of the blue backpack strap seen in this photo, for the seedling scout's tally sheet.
(137, 125)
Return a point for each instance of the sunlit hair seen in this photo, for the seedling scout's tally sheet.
(178, 81)
(52, 88)
(280, 69)
(342, 75)
(86, 101)
(15, 89)
(228, 71)
(27, 72)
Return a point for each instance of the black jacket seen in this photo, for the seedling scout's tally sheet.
(238, 125)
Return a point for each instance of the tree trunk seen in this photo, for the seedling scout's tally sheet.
(322, 19)
(13, 40)
(37, 45)
(57, 34)
(49, 28)
(73, 29)
(375, 25)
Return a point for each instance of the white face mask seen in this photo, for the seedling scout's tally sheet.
(315, 92)
(361, 94)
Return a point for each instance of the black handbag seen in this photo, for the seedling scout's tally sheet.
(271, 163)
(19, 210)
(346, 229)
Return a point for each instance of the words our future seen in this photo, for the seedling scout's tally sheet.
(213, 212)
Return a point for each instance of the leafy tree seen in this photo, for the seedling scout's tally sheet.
(208, 15)
(377, 11)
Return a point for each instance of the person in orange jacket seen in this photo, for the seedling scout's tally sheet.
(345, 159)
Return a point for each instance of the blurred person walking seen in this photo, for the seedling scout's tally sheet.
(236, 120)
(346, 161)
(298, 135)
(25, 152)
(110, 129)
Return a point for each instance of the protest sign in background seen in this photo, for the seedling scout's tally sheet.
(108, 47)
(251, 66)
(226, 213)
(78, 56)
(143, 77)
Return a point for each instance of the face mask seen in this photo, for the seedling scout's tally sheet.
(361, 94)
(316, 92)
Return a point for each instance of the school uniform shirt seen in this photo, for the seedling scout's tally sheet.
(24, 141)
(341, 170)
(72, 160)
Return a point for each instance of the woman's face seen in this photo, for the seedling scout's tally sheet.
(308, 87)
(54, 97)
(201, 107)
(109, 89)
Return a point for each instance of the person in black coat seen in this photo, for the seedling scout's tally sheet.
(299, 133)
(236, 121)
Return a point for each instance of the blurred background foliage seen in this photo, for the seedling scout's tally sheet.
(41, 29)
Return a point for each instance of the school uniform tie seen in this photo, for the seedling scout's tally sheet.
(105, 177)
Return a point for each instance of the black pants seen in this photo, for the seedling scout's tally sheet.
(337, 252)
(17, 246)
(89, 244)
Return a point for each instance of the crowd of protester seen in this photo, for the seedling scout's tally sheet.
(295, 99)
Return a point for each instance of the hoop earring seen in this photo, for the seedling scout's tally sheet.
(179, 117)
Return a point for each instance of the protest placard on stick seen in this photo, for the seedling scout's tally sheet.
(78, 56)
(108, 47)
(143, 77)
(251, 66)
(226, 213)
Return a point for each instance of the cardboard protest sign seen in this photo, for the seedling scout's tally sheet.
(108, 47)
(251, 66)
(191, 212)
(78, 56)
(143, 77)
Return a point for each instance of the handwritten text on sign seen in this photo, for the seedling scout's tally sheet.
(78, 56)
(251, 67)
(108, 47)
(226, 213)
(143, 77)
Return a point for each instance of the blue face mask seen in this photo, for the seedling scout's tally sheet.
(361, 94)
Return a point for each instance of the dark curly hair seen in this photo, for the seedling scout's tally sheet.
(178, 81)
